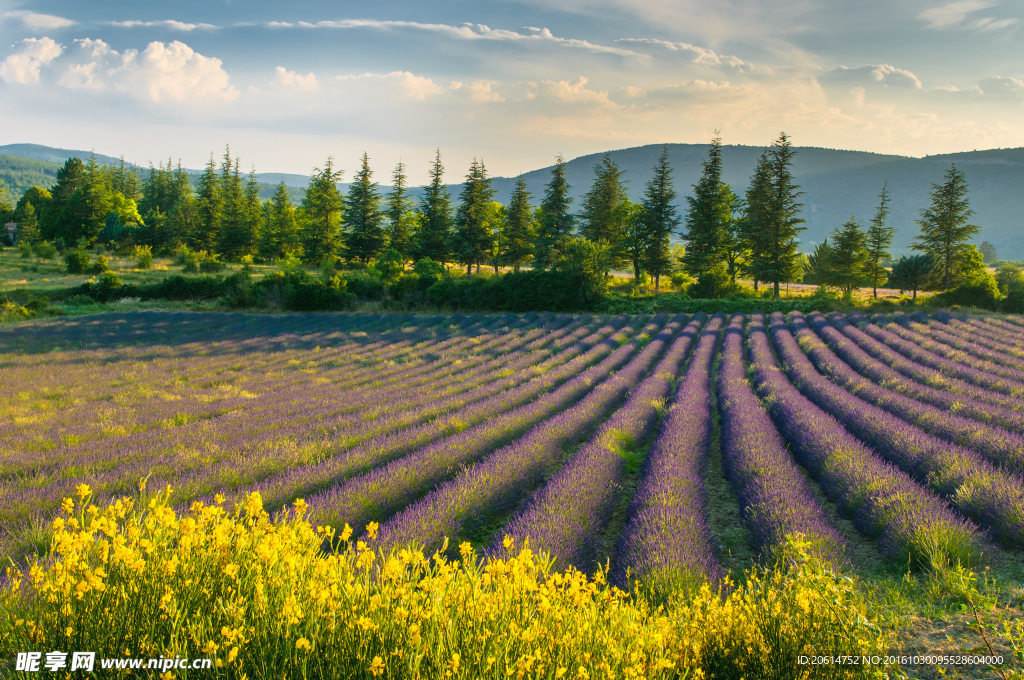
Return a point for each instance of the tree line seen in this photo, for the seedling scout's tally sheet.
(726, 236)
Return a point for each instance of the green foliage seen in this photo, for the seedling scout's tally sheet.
(428, 270)
(210, 263)
(389, 267)
(44, 250)
(983, 294)
(280, 235)
(605, 212)
(710, 284)
(911, 273)
(848, 259)
(771, 219)
(322, 211)
(100, 266)
(473, 239)
(554, 221)
(877, 241)
(1009, 278)
(584, 263)
(25, 249)
(433, 238)
(364, 222)
(518, 229)
(76, 261)
(105, 286)
(945, 231)
(660, 218)
(707, 218)
(205, 230)
(143, 257)
(399, 212)
(988, 252)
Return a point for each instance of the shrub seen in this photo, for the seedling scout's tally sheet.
(983, 294)
(246, 259)
(105, 286)
(101, 265)
(45, 250)
(76, 261)
(209, 263)
(25, 249)
(411, 615)
(389, 267)
(143, 257)
(79, 301)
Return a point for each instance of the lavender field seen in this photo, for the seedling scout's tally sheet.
(594, 437)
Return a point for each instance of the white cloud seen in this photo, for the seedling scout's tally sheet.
(161, 72)
(292, 79)
(40, 21)
(633, 91)
(701, 55)
(23, 66)
(954, 15)
(480, 91)
(164, 23)
(466, 31)
(410, 85)
(576, 92)
(882, 75)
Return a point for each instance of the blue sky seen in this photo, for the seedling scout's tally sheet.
(286, 84)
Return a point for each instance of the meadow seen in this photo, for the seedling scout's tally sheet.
(538, 495)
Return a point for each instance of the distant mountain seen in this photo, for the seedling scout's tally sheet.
(836, 183)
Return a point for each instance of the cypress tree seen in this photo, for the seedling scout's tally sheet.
(399, 213)
(435, 218)
(774, 212)
(53, 220)
(365, 237)
(659, 218)
(473, 239)
(518, 229)
(849, 255)
(554, 223)
(209, 207)
(604, 215)
(878, 240)
(945, 230)
(322, 206)
(707, 220)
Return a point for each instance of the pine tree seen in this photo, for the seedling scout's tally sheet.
(945, 230)
(755, 215)
(707, 220)
(280, 234)
(365, 237)
(819, 265)
(774, 257)
(988, 252)
(209, 207)
(879, 238)
(603, 215)
(322, 205)
(735, 249)
(400, 214)
(554, 222)
(849, 257)
(54, 221)
(660, 219)
(234, 240)
(183, 222)
(518, 229)
(473, 239)
(28, 225)
(89, 206)
(435, 217)
(252, 217)
(636, 241)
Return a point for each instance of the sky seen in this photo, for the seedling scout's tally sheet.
(512, 82)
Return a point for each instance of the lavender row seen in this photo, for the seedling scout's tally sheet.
(924, 375)
(952, 348)
(667, 541)
(500, 481)
(962, 403)
(910, 522)
(945, 365)
(566, 515)
(383, 491)
(990, 496)
(1004, 350)
(988, 328)
(995, 444)
(239, 468)
(775, 497)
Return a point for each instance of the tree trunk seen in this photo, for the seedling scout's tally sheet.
(469, 269)
(874, 290)
(657, 282)
(775, 290)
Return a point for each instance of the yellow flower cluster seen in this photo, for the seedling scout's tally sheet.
(262, 597)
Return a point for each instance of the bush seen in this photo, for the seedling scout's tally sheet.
(143, 257)
(100, 266)
(209, 263)
(389, 267)
(105, 287)
(709, 285)
(983, 294)
(25, 249)
(76, 261)
(45, 251)
(79, 301)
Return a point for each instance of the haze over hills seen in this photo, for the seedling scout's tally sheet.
(836, 183)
